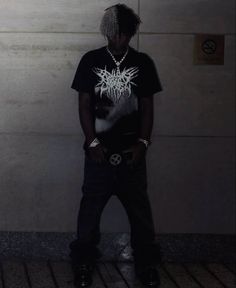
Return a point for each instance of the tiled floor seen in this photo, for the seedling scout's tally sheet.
(51, 274)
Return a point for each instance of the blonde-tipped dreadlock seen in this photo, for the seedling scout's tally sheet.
(119, 19)
(109, 26)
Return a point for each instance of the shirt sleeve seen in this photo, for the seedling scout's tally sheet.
(149, 79)
(82, 81)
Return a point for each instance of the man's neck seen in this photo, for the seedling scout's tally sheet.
(117, 52)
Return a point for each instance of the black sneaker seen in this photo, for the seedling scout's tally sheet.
(83, 275)
(149, 276)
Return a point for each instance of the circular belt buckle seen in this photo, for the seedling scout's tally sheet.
(115, 159)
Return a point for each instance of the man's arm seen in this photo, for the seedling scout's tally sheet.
(86, 118)
(146, 117)
(87, 124)
(146, 125)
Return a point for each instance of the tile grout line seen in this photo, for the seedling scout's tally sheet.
(213, 274)
(52, 274)
(120, 273)
(101, 277)
(27, 274)
(169, 275)
(229, 269)
(193, 277)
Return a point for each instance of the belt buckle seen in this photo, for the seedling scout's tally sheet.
(115, 159)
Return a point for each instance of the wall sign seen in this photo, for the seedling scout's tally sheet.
(209, 49)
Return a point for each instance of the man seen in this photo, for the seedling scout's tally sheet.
(116, 84)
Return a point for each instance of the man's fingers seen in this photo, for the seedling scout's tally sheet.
(98, 154)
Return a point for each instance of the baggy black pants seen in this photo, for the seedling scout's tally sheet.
(129, 184)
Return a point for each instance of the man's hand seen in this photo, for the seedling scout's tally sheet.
(97, 153)
(138, 153)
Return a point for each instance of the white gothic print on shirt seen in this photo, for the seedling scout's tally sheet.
(116, 86)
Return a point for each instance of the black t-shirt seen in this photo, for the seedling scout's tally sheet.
(115, 93)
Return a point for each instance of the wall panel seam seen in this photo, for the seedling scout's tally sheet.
(79, 134)
(98, 33)
(138, 34)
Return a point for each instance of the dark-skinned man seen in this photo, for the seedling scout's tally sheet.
(116, 85)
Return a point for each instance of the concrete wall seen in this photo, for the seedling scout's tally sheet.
(191, 162)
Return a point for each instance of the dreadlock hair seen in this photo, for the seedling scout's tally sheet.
(119, 19)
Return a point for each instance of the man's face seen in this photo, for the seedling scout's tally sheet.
(119, 42)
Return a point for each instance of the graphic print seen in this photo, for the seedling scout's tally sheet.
(117, 87)
(116, 84)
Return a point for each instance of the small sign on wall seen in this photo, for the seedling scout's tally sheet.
(209, 49)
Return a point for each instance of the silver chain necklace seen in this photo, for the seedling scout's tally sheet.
(118, 62)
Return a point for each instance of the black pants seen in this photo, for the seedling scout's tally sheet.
(129, 184)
